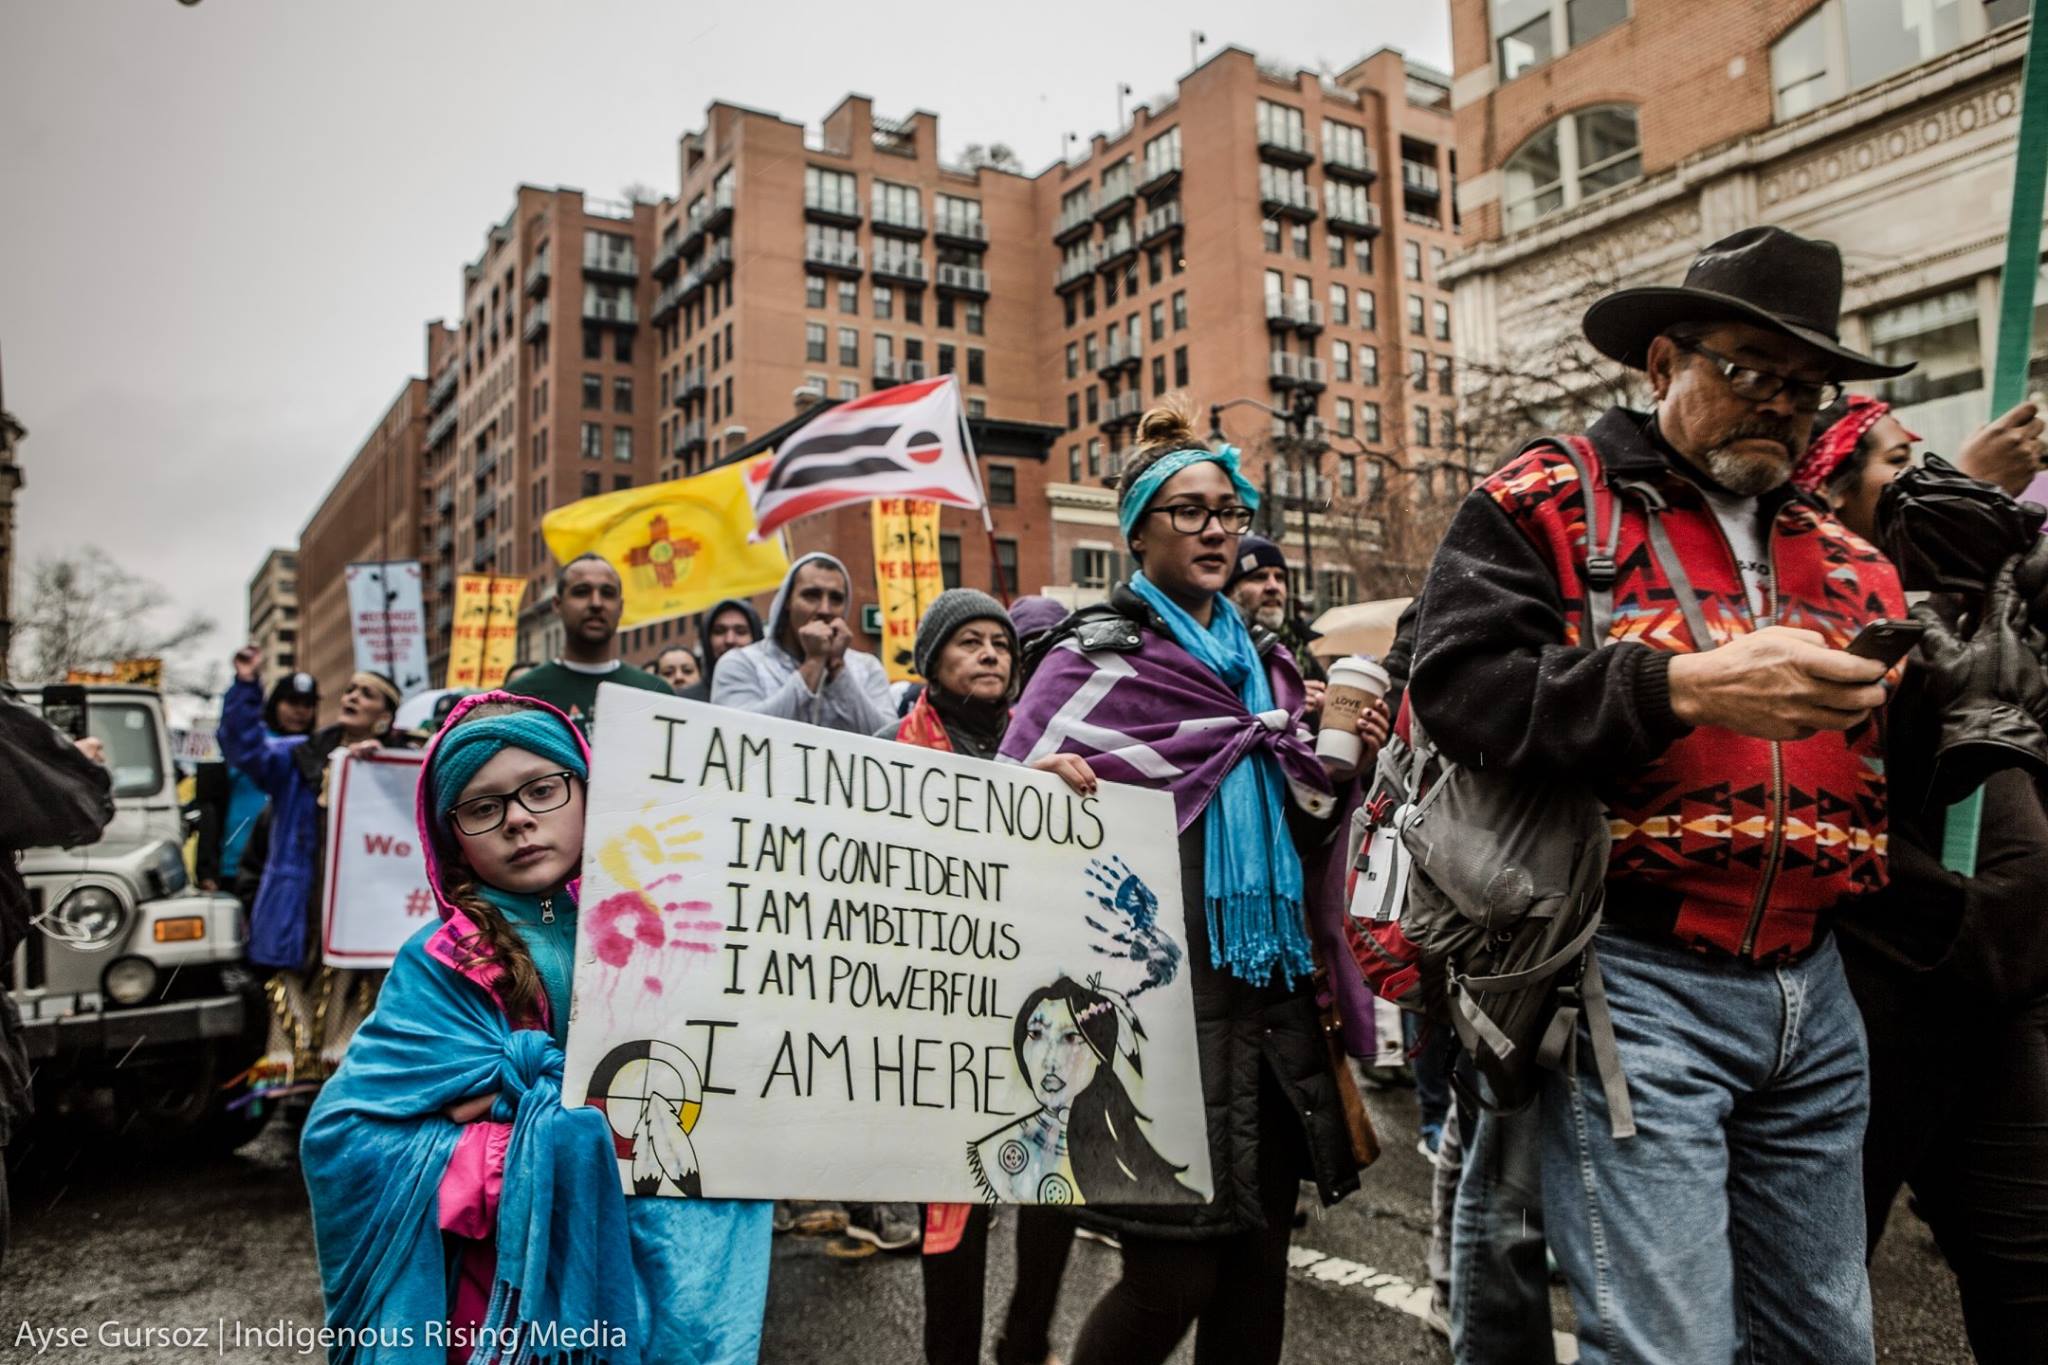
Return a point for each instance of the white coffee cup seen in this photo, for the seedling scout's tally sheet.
(1356, 682)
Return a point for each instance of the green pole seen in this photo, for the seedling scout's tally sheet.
(2015, 332)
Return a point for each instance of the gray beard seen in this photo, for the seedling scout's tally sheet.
(1746, 476)
(1272, 618)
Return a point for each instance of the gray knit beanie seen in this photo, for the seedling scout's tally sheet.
(949, 611)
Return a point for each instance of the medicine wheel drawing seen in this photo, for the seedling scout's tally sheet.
(652, 1094)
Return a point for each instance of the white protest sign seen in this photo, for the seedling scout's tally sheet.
(385, 618)
(816, 965)
(375, 896)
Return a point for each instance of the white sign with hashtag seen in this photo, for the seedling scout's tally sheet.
(375, 895)
(818, 965)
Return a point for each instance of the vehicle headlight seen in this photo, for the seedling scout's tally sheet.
(129, 980)
(90, 918)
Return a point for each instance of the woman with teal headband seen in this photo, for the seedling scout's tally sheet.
(460, 1211)
(1163, 686)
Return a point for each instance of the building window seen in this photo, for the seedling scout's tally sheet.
(1094, 456)
(1845, 45)
(1092, 567)
(1369, 421)
(977, 370)
(1155, 266)
(1281, 125)
(849, 298)
(1527, 33)
(814, 291)
(975, 316)
(1347, 421)
(1094, 404)
(1180, 310)
(1073, 464)
(1340, 361)
(593, 392)
(814, 342)
(1347, 465)
(849, 388)
(1938, 332)
(1418, 371)
(1158, 319)
(1269, 234)
(1336, 241)
(622, 443)
(946, 355)
(1002, 484)
(593, 484)
(900, 205)
(830, 191)
(1440, 320)
(1073, 360)
(1368, 311)
(1158, 375)
(1422, 426)
(849, 347)
(1582, 155)
(1301, 245)
(1073, 411)
(1416, 325)
(621, 481)
(1003, 576)
(622, 395)
(885, 299)
(1368, 365)
(1340, 305)
(1088, 352)
(1411, 259)
(949, 561)
(1436, 263)
(591, 441)
(1443, 374)
(1180, 366)
(622, 345)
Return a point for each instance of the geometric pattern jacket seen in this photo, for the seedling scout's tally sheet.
(1721, 841)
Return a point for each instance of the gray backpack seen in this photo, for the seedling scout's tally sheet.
(1507, 877)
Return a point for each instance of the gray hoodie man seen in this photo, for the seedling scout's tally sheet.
(807, 669)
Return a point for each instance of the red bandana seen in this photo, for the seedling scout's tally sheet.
(1834, 445)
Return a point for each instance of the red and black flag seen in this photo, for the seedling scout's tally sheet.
(903, 442)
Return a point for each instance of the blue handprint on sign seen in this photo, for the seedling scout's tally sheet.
(1133, 933)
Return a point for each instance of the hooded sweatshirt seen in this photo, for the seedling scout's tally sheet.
(700, 690)
(765, 678)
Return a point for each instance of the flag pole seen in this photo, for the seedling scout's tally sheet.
(2015, 334)
(988, 522)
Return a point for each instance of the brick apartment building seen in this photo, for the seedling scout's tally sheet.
(375, 512)
(274, 613)
(1257, 234)
(1604, 145)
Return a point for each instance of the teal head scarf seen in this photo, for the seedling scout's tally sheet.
(464, 750)
(1166, 466)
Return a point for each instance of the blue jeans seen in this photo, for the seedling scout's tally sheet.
(1730, 1227)
(1500, 1286)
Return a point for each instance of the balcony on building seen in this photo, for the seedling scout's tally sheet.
(889, 373)
(1342, 163)
(666, 303)
(1115, 354)
(1284, 199)
(963, 279)
(668, 259)
(840, 210)
(1344, 214)
(445, 542)
(537, 276)
(899, 267)
(898, 222)
(445, 384)
(442, 426)
(1076, 220)
(1160, 172)
(611, 312)
(691, 385)
(1420, 182)
(692, 240)
(445, 503)
(1296, 487)
(1116, 250)
(485, 508)
(717, 262)
(1279, 313)
(957, 229)
(832, 258)
(692, 435)
(485, 552)
(1128, 406)
(1309, 368)
(537, 321)
(1285, 146)
(718, 209)
(616, 265)
(1117, 196)
(1308, 316)
(1076, 270)
(486, 464)
(1162, 222)
(1283, 371)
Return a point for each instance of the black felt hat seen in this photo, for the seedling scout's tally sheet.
(1764, 276)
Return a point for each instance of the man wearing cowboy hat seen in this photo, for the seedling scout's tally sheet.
(1732, 740)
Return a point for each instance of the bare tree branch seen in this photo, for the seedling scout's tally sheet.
(84, 611)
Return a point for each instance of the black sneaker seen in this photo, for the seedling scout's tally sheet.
(886, 1227)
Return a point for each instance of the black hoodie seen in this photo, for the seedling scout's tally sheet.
(701, 689)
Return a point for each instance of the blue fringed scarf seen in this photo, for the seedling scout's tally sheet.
(1251, 874)
(684, 1280)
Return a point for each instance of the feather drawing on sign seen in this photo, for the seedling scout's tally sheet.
(652, 1094)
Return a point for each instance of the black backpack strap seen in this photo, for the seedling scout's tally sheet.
(1601, 569)
(1668, 562)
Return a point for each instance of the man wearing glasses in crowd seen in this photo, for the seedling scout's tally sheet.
(1733, 742)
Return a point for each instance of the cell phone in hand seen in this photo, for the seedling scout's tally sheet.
(1887, 641)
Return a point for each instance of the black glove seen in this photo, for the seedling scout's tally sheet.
(1988, 689)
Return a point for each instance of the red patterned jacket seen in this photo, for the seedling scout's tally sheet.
(1720, 840)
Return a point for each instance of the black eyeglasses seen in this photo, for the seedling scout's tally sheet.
(1761, 386)
(539, 795)
(1191, 519)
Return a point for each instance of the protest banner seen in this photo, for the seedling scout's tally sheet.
(375, 895)
(814, 964)
(484, 639)
(387, 622)
(907, 576)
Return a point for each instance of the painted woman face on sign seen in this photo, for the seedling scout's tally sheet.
(1057, 1058)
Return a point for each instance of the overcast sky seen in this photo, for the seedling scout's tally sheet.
(225, 224)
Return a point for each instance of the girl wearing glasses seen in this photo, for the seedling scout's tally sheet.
(1162, 686)
(456, 1202)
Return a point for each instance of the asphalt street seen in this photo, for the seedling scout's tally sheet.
(152, 1245)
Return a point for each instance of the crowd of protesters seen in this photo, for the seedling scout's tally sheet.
(1786, 1003)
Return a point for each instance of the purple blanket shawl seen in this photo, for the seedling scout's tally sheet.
(1158, 718)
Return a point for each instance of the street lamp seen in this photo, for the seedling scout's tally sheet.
(1298, 415)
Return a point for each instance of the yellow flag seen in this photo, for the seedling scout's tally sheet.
(484, 641)
(907, 576)
(678, 546)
